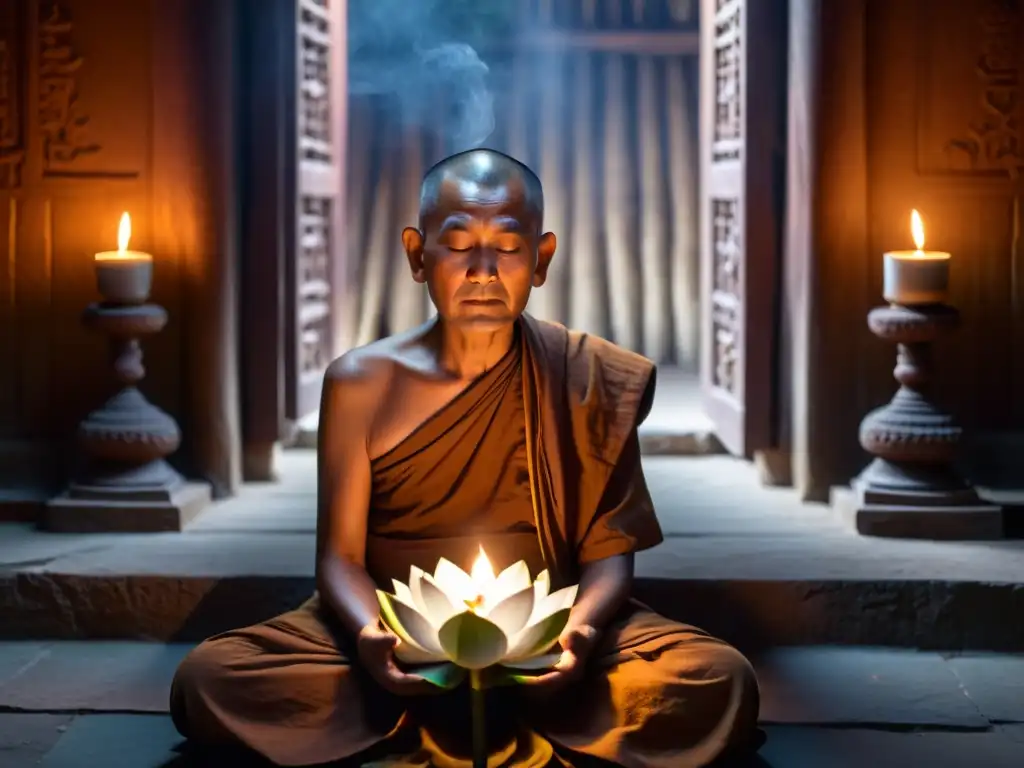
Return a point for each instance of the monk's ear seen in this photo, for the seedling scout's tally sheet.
(545, 252)
(412, 239)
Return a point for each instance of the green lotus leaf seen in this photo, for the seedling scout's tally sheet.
(472, 641)
(502, 677)
(444, 676)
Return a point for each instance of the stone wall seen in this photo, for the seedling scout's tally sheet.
(100, 112)
(895, 106)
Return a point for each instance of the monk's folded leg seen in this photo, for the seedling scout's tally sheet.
(283, 689)
(662, 695)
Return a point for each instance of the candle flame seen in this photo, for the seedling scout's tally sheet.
(482, 572)
(124, 232)
(917, 229)
(483, 577)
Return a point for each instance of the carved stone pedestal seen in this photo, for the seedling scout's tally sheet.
(910, 489)
(127, 485)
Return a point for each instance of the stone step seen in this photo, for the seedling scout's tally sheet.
(752, 591)
(753, 565)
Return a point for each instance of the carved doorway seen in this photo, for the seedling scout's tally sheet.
(293, 97)
(742, 105)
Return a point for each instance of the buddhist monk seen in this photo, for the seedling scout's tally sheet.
(482, 427)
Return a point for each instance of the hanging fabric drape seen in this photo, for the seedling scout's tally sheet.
(612, 137)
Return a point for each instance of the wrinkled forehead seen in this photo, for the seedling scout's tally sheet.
(483, 200)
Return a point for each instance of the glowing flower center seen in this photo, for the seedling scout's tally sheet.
(482, 577)
(475, 604)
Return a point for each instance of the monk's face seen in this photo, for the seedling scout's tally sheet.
(480, 252)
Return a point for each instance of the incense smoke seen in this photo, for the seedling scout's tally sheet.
(419, 53)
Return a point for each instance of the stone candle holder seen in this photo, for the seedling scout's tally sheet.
(126, 483)
(910, 489)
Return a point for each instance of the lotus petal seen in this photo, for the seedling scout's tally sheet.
(542, 586)
(408, 624)
(556, 601)
(402, 591)
(513, 579)
(407, 650)
(453, 581)
(433, 604)
(408, 653)
(537, 637)
(512, 613)
(543, 662)
(415, 574)
(471, 641)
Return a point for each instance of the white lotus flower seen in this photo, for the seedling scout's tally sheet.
(479, 619)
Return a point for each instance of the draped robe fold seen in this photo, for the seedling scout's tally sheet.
(537, 460)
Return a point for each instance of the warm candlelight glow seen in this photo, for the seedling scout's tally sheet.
(482, 575)
(124, 236)
(915, 277)
(124, 232)
(124, 276)
(916, 229)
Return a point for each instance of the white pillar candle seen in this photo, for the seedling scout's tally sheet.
(123, 276)
(916, 277)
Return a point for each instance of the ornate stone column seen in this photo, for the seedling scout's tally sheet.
(910, 488)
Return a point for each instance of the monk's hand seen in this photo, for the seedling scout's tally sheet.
(576, 642)
(376, 648)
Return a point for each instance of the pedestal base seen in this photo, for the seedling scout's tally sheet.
(111, 509)
(922, 515)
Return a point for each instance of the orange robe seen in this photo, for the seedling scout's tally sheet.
(538, 460)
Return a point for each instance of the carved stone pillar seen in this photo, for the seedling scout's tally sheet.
(910, 489)
(126, 484)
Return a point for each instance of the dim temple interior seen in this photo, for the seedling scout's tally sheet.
(807, 213)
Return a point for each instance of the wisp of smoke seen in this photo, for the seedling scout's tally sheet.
(411, 51)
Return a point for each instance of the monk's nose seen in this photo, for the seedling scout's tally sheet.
(483, 267)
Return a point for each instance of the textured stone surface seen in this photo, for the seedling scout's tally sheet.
(115, 741)
(750, 563)
(25, 738)
(801, 747)
(866, 686)
(994, 683)
(94, 676)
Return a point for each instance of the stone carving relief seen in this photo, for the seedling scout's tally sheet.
(992, 141)
(62, 121)
(314, 288)
(12, 138)
(12, 150)
(728, 84)
(315, 82)
(726, 292)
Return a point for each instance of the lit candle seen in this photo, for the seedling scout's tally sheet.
(918, 276)
(123, 276)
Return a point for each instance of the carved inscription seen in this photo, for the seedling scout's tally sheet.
(314, 309)
(314, 82)
(726, 292)
(12, 127)
(992, 141)
(61, 120)
(12, 150)
(728, 82)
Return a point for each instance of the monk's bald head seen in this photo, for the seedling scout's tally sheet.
(481, 177)
(479, 247)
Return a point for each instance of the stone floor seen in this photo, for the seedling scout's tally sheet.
(93, 704)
